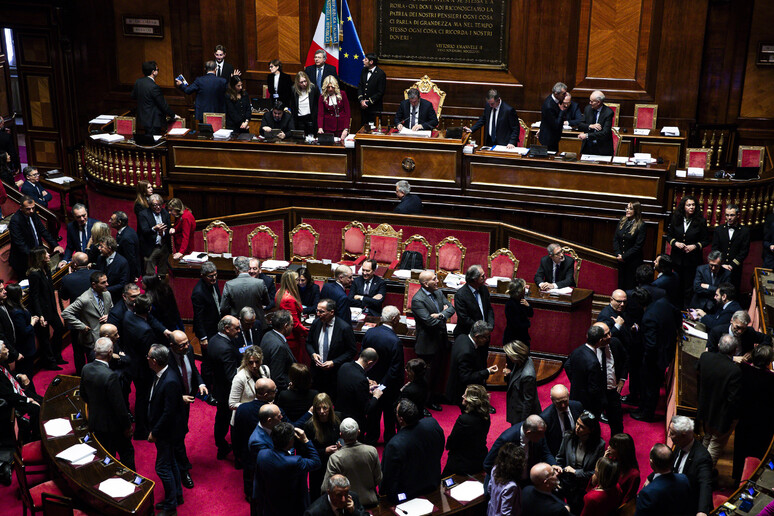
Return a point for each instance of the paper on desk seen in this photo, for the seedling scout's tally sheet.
(194, 257)
(693, 332)
(117, 487)
(595, 157)
(410, 322)
(536, 124)
(349, 142)
(695, 172)
(86, 460)
(178, 131)
(670, 130)
(403, 274)
(492, 282)
(454, 280)
(642, 132)
(620, 159)
(222, 134)
(58, 427)
(62, 180)
(681, 173)
(76, 452)
(3, 228)
(354, 313)
(415, 507)
(515, 150)
(450, 327)
(421, 134)
(105, 137)
(100, 120)
(561, 291)
(274, 264)
(467, 491)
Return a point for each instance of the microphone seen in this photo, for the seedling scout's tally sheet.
(73, 404)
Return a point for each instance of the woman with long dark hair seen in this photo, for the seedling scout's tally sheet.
(578, 455)
(504, 490)
(43, 305)
(238, 107)
(521, 399)
(24, 328)
(299, 396)
(517, 313)
(628, 242)
(416, 388)
(467, 440)
(308, 290)
(143, 190)
(688, 236)
(621, 450)
(164, 306)
(323, 430)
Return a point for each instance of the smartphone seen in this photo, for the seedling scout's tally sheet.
(86, 438)
(401, 497)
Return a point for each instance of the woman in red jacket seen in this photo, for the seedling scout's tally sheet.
(288, 298)
(333, 109)
(183, 228)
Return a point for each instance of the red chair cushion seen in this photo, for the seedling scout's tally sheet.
(36, 493)
(124, 127)
(644, 118)
(522, 136)
(32, 454)
(354, 241)
(216, 122)
(750, 464)
(303, 243)
(502, 266)
(263, 246)
(751, 158)
(217, 240)
(697, 159)
(432, 97)
(176, 124)
(449, 257)
(384, 249)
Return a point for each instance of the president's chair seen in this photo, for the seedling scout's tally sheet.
(751, 156)
(384, 245)
(450, 255)
(645, 116)
(262, 242)
(353, 243)
(503, 263)
(429, 91)
(303, 242)
(217, 237)
(578, 261)
(698, 158)
(216, 120)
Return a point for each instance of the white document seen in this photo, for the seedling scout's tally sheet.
(349, 141)
(642, 156)
(76, 452)
(454, 280)
(410, 322)
(420, 134)
(450, 327)
(100, 120)
(3, 228)
(63, 180)
(86, 460)
(642, 132)
(681, 173)
(566, 291)
(515, 150)
(157, 137)
(595, 157)
(222, 134)
(670, 130)
(274, 264)
(695, 172)
(693, 332)
(620, 159)
(58, 427)
(117, 487)
(178, 131)
(536, 125)
(354, 313)
(415, 507)
(403, 274)
(105, 137)
(467, 491)
(494, 280)
(194, 257)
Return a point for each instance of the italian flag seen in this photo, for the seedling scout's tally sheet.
(326, 36)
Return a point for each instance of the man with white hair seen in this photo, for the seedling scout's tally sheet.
(410, 204)
(357, 461)
(244, 290)
(597, 127)
(155, 239)
(693, 460)
(338, 499)
(337, 291)
(746, 335)
(539, 498)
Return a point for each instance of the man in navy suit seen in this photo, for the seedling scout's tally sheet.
(128, 242)
(388, 371)
(584, 370)
(320, 69)
(472, 302)
(224, 358)
(368, 290)
(552, 117)
(27, 232)
(205, 300)
(560, 416)
(33, 188)
(78, 281)
(500, 122)
(468, 361)
(733, 240)
(254, 270)
(740, 328)
(251, 330)
(152, 109)
(210, 91)
(155, 239)
(668, 279)
(597, 127)
(78, 231)
(166, 423)
(277, 355)
(708, 277)
(669, 493)
(555, 270)
(693, 460)
(573, 115)
(725, 307)
(355, 397)
(615, 317)
(539, 498)
(337, 291)
(114, 265)
(330, 343)
(415, 113)
(410, 204)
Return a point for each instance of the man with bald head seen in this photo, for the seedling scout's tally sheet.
(78, 281)
(269, 416)
(337, 291)
(539, 498)
(669, 492)
(585, 368)
(223, 354)
(613, 316)
(431, 311)
(560, 416)
(119, 361)
(597, 127)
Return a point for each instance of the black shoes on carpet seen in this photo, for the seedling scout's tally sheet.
(187, 481)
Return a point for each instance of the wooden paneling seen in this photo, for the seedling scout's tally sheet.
(33, 50)
(44, 153)
(131, 52)
(613, 38)
(40, 109)
(758, 93)
(431, 164)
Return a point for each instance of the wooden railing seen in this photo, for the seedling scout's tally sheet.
(123, 164)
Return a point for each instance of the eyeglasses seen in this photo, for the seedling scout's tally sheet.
(322, 311)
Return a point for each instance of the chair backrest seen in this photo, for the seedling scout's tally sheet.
(720, 139)
(411, 288)
(450, 255)
(21, 477)
(627, 509)
(429, 91)
(216, 120)
(750, 156)
(578, 261)
(177, 123)
(616, 141)
(645, 116)
(353, 241)
(125, 125)
(54, 505)
(303, 242)
(217, 237)
(384, 243)
(698, 158)
(503, 263)
(419, 244)
(262, 242)
(523, 134)
(616, 111)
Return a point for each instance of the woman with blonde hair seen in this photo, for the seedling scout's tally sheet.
(628, 242)
(183, 227)
(333, 114)
(288, 298)
(243, 384)
(323, 430)
(467, 440)
(143, 191)
(521, 399)
(99, 231)
(305, 103)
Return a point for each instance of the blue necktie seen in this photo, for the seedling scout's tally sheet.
(319, 79)
(326, 345)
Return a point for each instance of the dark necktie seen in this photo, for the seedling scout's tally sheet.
(100, 305)
(153, 392)
(220, 70)
(326, 344)
(568, 424)
(367, 289)
(16, 385)
(84, 240)
(678, 460)
(413, 117)
(319, 79)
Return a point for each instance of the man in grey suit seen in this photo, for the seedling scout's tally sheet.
(276, 352)
(431, 310)
(357, 461)
(86, 314)
(244, 290)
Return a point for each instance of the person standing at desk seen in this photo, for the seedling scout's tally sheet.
(410, 204)
(305, 103)
(238, 107)
(500, 122)
(597, 127)
(210, 91)
(573, 114)
(417, 113)
(333, 114)
(370, 90)
(552, 117)
(152, 109)
(687, 236)
(555, 270)
(320, 70)
(280, 84)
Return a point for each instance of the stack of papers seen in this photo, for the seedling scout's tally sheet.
(450, 327)
(222, 134)
(670, 131)
(691, 330)
(566, 291)
(354, 313)
(595, 157)
(515, 150)
(467, 491)
(107, 137)
(349, 141)
(454, 280)
(63, 180)
(420, 134)
(117, 488)
(415, 507)
(77, 453)
(194, 257)
(620, 159)
(178, 131)
(271, 265)
(695, 172)
(642, 132)
(58, 427)
(494, 280)
(403, 274)
(536, 125)
(102, 119)
(3, 228)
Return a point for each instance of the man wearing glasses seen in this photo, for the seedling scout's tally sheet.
(555, 270)
(330, 343)
(32, 187)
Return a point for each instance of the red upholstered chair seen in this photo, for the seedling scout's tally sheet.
(353, 243)
(450, 255)
(750, 156)
(125, 125)
(177, 123)
(503, 263)
(645, 116)
(453, 318)
(411, 288)
(616, 141)
(303, 242)
(523, 134)
(217, 237)
(384, 244)
(32, 497)
(262, 242)
(429, 91)
(699, 158)
(616, 111)
(569, 251)
(419, 244)
(216, 120)
(320, 281)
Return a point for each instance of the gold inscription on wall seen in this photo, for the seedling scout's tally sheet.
(446, 32)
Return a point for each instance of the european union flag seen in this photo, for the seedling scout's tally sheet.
(351, 51)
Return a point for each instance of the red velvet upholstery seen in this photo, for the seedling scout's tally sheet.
(353, 243)
(501, 264)
(453, 318)
(217, 238)
(239, 244)
(698, 158)
(433, 98)
(450, 255)
(263, 243)
(177, 123)
(523, 134)
(616, 111)
(429, 91)
(750, 157)
(616, 141)
(125, 126)
(303, 242)
(750, 465)
(412, 287)
(384, 244)
(645, 116)
(217, 120)
(36, 493)
(32, 454)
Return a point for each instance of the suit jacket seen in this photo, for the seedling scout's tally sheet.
(23, 240)
(137, 337)
(670, 283)
(564, 272)
(314, 97)
(719, 388)
(7, 392)
(333, 290)
(573, 115)
(41, 295)
(238, 112)
(598, 142)
(468, 311)
(341, 346)
(147, 235)
(118, 313)
(426, 115)
(467, 445)
(668, 494)
(538, 452)
(206, 313)
(285, 124)
(8, 335)
(554, 428)
(74, 241)
(551, 123)
(659, 329)
(224, 359)
(278, 357)
(83, 312)
(196, 377)
(735, 250)
(521, 400)
(271, 288)
(328, 69)
(704, 298)
(378, 286)
(242, 291)
(34, 191)
(697, 234)
(506, 128)
(747, 341)
(152, 109)
(411, 462)
(388, 371)
(411, 204)
(285, 90)
(117, 273)
(75, 284)
(587, 379)
(166, 408)
(545, 504)
(282, 480)
(101, 390)
(129, 248)
(354, 397)
(698, 469)
(568, 454)
(322, 507)
(372, 90)
(607, 315)
(467, 366)
(360, 464)
(210, 94)
(226, 70)
(721, 316)
(431, 332)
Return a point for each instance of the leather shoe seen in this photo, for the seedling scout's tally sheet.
(603, 418)
(492, 410)
(59, 360)
(212, 401)
(630, 400)
(644, 416)
(434, 406)
(51, 366)
(187, 481)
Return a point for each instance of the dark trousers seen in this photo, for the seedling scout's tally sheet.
(157, 262)
(181, 455)
(614, 412)
(653, 375)
(368, 115)
(81, 354)
(636, 382)
(384, 407)
(168, 472)
(50, 347)
(307, 123)
(142, 387)
(222, 422)
(117, 445)
(434, 376)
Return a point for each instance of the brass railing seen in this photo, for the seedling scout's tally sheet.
(123, 165)
(754, 198)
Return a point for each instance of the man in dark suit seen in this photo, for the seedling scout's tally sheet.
(530, 433)
(269, 416)
(668, 279)
(431, 310)
(77, 281)
(224, 358)
(223, 69)
(250, 333)
(693, 460)
(78, 231)
(126, 304)
(244, 290)
(472, 302)
(152, 110)
(552, 117)
(254, 270)
(183, 364)
(468, 361)
(19, 392)
(33, 188)
(747, 337)
(165, 418)
(320, 69)
(371, 88)
(573, 115)
(338, 499)
(155, 240)
(330, 343)
(120, 361)
(205, 300)
(27, 232)
(354, 397)
(210, 91)
(114, 265)
(539, 498)
(337, 291)
(615, 317)
(7, 330)
(388, 371)
(560, 416)
(500, 122)
(368, 290)
(584, 370)
(733, 241)
(725, 307)
(669, 493)
(707, 280)
(415, 113)
(277, 355)
(597, 127)
(411, 462)
(128, 243)
(108, 417)
(555, 270)
(277, 118)
(410, 204)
